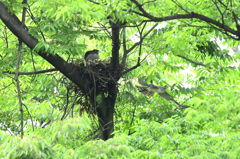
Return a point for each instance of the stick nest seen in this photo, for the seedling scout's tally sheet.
(98, 74)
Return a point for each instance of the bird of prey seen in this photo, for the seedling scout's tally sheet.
(91, 55)
(150, 89)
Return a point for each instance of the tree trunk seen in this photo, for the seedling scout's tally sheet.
(105, 112)
(105, 107)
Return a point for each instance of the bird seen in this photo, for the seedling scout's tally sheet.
(91, 55)
(150, 89)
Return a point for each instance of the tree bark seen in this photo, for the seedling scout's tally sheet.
(105, 111)
(104, 108)
(115, 45)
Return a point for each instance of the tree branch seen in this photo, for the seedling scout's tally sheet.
(188, 16)
(29, 115)
(146, 14)
(17, 70)
(60, 64)
(124, 48)
(144, 36)
(194, 62)
(180, 6)
(32, 73)
(33, 18)
(105, 29)
(141, 40)
(115, 44)
(94, 2)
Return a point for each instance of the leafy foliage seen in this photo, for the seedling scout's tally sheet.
(185, 56)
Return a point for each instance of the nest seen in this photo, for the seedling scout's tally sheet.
(98, 75)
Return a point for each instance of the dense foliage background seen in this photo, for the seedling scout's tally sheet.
(182, 53)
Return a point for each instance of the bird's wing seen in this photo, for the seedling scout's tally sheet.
(151, 87)
(144, 90)
(165, 95)
(158, 89)
(86, 54)
(142, 82)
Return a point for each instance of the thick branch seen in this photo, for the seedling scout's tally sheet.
(115, 45)
(187, 16)
(146, 14)
(60, 64)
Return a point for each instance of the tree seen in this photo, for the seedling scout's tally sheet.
(56, 31)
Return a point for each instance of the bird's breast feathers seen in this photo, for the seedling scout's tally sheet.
(92, 57)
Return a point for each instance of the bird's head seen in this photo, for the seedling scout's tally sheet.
(95, 51)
